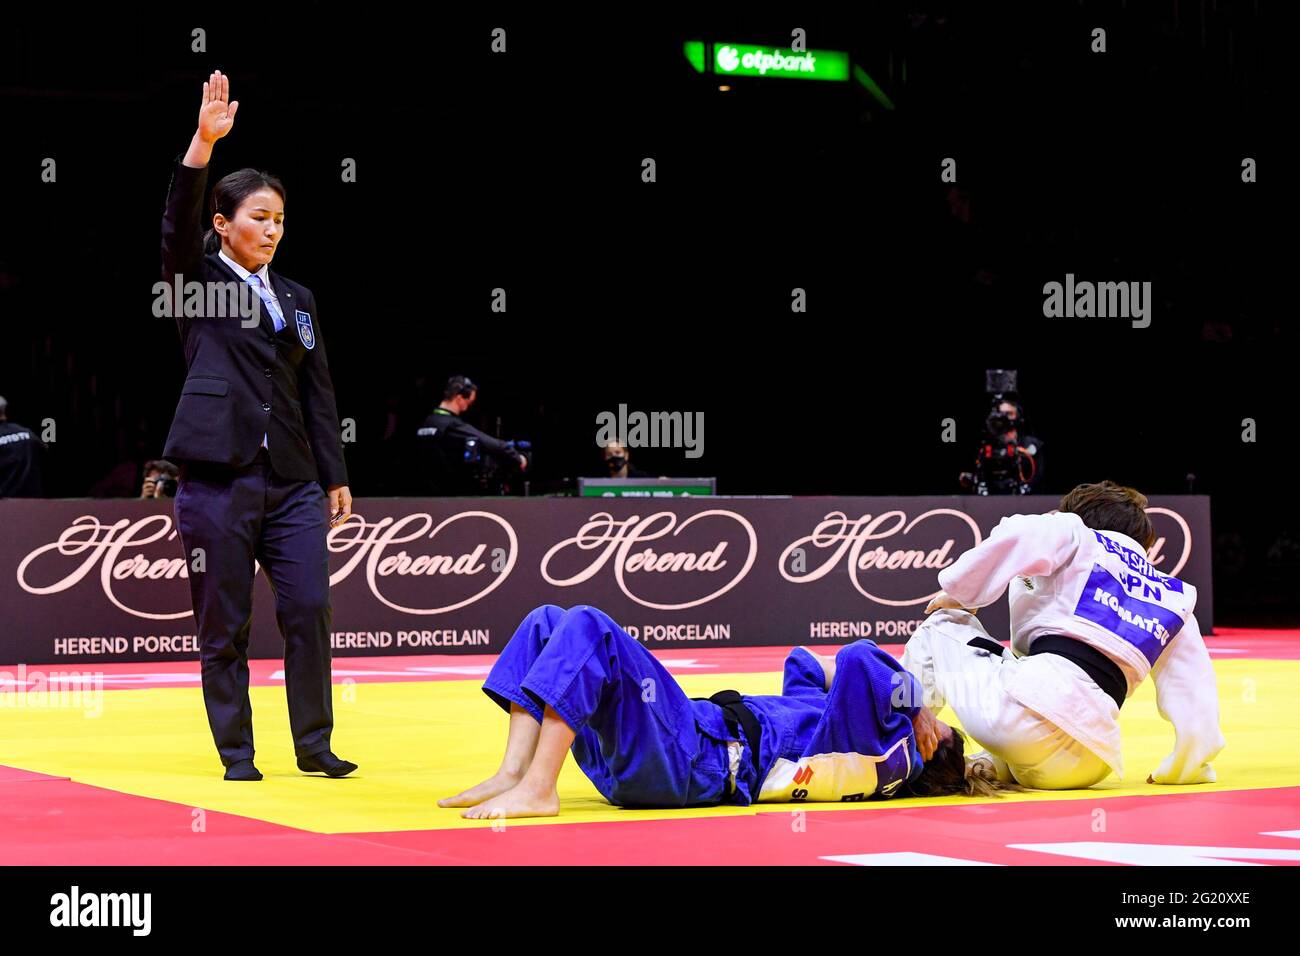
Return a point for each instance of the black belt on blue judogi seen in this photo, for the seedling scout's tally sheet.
(1090, 660)
(740, 719)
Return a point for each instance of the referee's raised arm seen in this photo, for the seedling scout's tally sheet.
(182, 228)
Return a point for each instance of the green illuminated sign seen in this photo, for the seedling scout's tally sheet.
(645, 487)
(646, 491)
(739, 59)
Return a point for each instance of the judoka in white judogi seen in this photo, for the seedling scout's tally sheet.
(1047, 721)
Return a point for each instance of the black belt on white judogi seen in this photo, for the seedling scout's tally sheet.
(1094, 663)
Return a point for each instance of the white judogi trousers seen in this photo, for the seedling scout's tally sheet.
(988, 693)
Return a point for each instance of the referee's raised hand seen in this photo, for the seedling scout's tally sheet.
(217, 112)
(216, 119)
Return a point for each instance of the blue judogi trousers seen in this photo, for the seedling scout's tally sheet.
(637, 737)
(643, 742)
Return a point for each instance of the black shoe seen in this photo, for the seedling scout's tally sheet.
(325, 762)
(243, 770)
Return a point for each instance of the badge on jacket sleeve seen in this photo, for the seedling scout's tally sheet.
(305, 333)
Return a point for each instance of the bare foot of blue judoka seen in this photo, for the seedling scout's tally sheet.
(498, 783)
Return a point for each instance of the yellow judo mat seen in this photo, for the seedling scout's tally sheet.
(418, 741)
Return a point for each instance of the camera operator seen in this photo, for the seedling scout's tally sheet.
(456, 455)
(160, 479)
(1009, 461)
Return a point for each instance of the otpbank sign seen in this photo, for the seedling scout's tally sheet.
(738, 59)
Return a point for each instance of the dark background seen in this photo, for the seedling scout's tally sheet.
(522, 171)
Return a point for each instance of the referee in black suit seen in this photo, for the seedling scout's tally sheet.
(256, 435)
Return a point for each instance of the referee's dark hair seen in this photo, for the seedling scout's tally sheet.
(458, 385)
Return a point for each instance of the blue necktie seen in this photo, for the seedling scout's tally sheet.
(264, 294)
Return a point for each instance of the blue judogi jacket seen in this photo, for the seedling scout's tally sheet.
(853, 743)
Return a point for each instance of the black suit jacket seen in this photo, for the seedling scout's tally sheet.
(245, 383)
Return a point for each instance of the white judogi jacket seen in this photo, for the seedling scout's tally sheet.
(1099, 588)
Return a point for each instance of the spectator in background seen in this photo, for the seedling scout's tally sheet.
(160, 479)
(20, 463)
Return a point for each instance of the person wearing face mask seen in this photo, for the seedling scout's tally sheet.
(618, 462)
(256, 437)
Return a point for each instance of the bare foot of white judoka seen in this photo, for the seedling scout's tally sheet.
(521, 801)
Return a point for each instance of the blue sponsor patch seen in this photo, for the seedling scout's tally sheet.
(306, 334)
(1148, 627)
